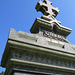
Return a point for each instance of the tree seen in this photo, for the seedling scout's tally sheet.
(2, 73)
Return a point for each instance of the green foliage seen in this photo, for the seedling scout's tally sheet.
(2, 73)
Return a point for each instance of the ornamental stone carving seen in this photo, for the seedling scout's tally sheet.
(43, 58)
(49, 12)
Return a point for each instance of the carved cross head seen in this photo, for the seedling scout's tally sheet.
(46, 8)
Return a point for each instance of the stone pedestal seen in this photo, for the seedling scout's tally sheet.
(44, 51)
(34, 54)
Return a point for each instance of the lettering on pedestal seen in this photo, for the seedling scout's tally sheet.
(54, 36)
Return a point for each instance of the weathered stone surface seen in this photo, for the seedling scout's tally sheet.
(46, 52)
(48, 24)
(38, 52)
(26, 72)
(49, 12)
(41, 41)
(52, 30)
(18, 73)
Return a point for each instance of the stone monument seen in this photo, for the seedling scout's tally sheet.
(45, 51)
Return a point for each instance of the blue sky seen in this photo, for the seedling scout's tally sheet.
(20, 15)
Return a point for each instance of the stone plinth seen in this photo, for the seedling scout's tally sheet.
(34, 54)
(50, 26)
(45, 51)
(50, 29)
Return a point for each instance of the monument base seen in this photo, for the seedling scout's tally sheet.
(34, 54)
(45, 51)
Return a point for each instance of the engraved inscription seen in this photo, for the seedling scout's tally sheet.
(53, 35)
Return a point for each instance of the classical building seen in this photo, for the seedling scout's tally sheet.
(45, 51)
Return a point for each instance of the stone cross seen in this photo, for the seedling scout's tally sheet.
(49, 12)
